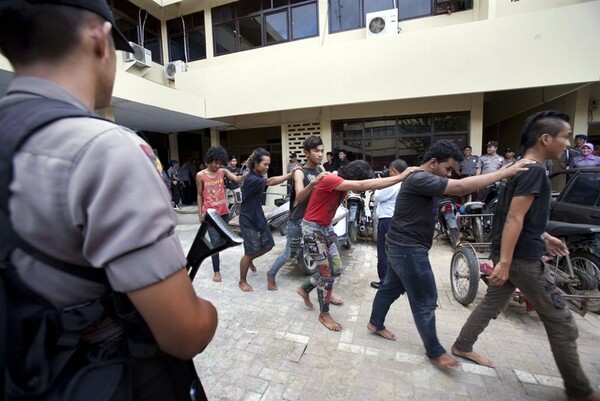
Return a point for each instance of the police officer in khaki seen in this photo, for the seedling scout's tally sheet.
(67, 197)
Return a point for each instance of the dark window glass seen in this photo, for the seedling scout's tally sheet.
(223, 13)
(380, 141)
(248, 7)
(187, 38)
(256, 23)
(304, 21)
(250, 33)
(451, 123)
(197, 43)
(378, 5)
(584, 191)
(176, 48)
(128, 27)
(276, 27)
(413, 8)
(225, 37)
(345, 14)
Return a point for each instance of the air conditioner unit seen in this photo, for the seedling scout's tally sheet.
(174, 67)
(382, 23)
(141, 57)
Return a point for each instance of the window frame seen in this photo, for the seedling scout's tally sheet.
(237, 12)
(194, 23)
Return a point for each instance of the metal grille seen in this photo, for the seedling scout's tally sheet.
(297, 133)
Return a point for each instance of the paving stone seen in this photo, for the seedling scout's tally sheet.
(269, 346)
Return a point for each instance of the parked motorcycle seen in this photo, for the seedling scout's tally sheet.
(234, 201)
(477, 221)
(360, 217)
(577, 274)
(340, 227)
(278, 217)
(448, 220)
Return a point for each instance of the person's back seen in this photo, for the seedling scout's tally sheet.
(67, 179)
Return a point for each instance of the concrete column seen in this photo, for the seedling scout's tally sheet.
(215, 137)
(326, 135)
(476, 128)
(173, 146)
(579, 118)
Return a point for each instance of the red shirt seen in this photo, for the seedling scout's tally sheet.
(324, 200)
(213, 193)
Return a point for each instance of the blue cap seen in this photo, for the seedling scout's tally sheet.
(581, 136)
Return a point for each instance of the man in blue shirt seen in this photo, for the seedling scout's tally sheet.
(253, 224)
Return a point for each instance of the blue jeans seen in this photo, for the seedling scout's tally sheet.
(409, 271)
(216, 239)
(382, 264)
(292, 246)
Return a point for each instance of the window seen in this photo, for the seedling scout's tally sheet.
(380, 141)
(350, 14)
(138, 26)
(187, 40)
(584, 191)
(248, 24)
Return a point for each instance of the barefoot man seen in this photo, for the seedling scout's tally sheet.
(253, 224)
(318, 231)
(518, 243)
(409, 238)
(211, 195)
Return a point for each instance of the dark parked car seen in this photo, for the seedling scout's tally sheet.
(578, 196)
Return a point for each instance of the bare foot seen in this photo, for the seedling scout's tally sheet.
(335, 300)
(328, 322)
(271, 285)
(244, 286)
(304, 296)
(252, 268)
(473, 356)
(445, 361)
(217, 277)
(385, 333)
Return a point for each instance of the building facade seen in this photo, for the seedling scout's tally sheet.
(380, 79)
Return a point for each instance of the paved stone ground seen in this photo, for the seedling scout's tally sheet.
(269, 346)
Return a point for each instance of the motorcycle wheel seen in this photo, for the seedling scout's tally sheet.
(234, 211)
(478, 230)
(454, 237)
(464, 275)
(306, 262)
(586, 266)
(353, 231)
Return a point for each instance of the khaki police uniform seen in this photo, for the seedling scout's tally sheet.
(489, 164)
(71, 200)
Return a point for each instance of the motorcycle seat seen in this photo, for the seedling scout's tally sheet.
(561, 229)
(472, 207)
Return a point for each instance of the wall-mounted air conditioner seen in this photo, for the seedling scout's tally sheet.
(382, 23)
(174, 67)
(141, 57)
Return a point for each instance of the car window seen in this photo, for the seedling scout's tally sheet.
(584, 191)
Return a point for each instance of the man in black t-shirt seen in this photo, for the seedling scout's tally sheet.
(518, 243)
(410, 236)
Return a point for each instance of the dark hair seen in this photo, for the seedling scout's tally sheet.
(342, 151)
(399, 165)
(356, 170)
(216, 153)
(467, 147)
(329, 154)
(549, 122)
(33, 32)
(257, 156)
(443, 150)
(312, 142)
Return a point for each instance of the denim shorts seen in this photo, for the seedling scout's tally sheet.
(256, 241)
